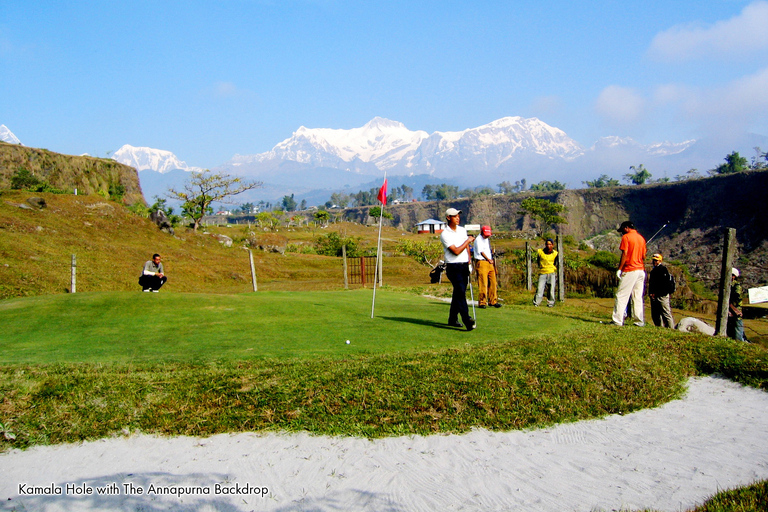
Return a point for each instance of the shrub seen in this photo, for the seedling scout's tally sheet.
(331, 244)
(23, 179)
(116, 191)
(139, 209)
(604, 259)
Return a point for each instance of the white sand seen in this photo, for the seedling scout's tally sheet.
(669, 458)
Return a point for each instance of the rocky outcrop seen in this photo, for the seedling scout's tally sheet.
(87, 174)
(161, 221)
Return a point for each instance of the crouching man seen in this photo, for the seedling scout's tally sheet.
(153, 276)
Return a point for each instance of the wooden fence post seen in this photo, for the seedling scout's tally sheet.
(253, 270)
(73, 288)
(344, 264)
(528, 265)
(724, 295)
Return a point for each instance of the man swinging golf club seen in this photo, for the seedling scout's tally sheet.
(455, 243)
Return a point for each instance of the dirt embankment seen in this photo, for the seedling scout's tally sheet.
(87, 174)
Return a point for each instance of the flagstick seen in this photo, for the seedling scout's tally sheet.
(378, 249)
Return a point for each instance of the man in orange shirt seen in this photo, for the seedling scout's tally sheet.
(631, 275)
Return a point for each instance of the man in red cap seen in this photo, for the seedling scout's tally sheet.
(486, 272)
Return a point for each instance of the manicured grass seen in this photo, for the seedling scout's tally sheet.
(420, 386)
(125, 327)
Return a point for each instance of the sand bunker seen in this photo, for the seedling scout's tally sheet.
(669, 458)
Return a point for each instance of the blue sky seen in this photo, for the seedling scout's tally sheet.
(207, 80)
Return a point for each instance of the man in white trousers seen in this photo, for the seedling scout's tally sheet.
(631, 275)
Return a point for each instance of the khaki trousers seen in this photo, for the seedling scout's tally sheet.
(486, 276)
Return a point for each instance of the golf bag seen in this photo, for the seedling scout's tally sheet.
(436, 274)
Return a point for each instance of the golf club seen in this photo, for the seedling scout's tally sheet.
(659, 231)
(471, 227)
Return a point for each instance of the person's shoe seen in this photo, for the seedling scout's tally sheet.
(550, 305)
(497, 305)
(147, 290)
(470, 324)
(482, 306)
(640, 324)
(455, 324)
(155, 291)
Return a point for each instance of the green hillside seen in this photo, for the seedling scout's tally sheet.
(111, 245)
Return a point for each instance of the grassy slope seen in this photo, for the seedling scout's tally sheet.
(112, 245)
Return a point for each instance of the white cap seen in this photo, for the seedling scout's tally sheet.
(735, 272)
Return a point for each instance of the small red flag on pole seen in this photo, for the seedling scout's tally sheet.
(382, 197)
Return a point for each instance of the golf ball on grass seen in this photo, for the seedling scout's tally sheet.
(347, 342)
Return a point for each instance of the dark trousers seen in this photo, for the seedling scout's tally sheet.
(458, 274)
(735, 328)
(152, 282)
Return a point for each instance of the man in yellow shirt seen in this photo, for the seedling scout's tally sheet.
(547, 273)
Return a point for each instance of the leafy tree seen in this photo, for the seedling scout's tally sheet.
(506, 188)
(545, 186)
(340, 199)
(760, 160)
(322, 216)
(544, 211)
(424, 251)
(441, 192)
(365, 198)
(289, 203)
(603, 181)
(639, 176)
(331, 244)
(303, 205)
(375, 211)
(266, 218)
(203, 188)
(247, 208)
(733, 163)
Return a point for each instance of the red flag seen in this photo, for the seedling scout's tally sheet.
(382, 197)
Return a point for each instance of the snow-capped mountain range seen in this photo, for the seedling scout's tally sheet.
(157, 160)
(314, 162)
(383, 144)
(7, 135)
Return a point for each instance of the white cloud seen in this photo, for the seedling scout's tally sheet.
(620, 106)
(738, 106)
(739, 36)
(225, 89)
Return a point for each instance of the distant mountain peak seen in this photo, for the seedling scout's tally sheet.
(143, 158)
(7, 135)
(655, 149)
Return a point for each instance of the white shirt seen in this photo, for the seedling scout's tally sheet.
(450, 237)
(482, 245)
